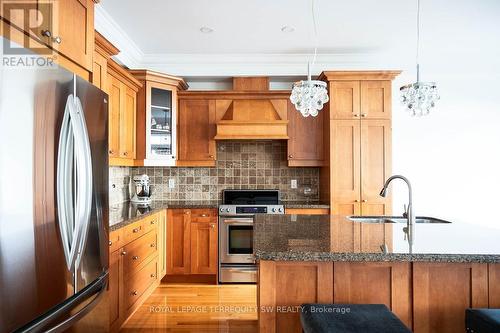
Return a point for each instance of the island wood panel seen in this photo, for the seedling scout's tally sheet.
(284, 286)
(376, 99)
(442, 292)
(386, 283)
(494, 286)
(196, 132)
(345, 167)
(178, 241)
(305, 145)
(376, 152)
(344, 100)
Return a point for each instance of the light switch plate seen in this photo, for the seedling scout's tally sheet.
(171, 183)
(293, 183)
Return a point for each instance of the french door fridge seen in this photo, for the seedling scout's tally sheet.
(53, 201)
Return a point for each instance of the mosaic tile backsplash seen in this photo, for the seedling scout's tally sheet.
(240, 165)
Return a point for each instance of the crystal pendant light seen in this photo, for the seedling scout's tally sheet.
(419, 97)
(309, 96)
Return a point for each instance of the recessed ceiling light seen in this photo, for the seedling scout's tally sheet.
(206, 30)
(287, 28)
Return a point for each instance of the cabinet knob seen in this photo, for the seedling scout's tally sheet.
(356, 200)
(356, 115)
(204, 215)
(136, 230)
(153, 275)
(110, 243)
(134, 293)
(124, 253)
(363, 115)
(153, 222)
(211, 156)
(153, 245)
(290, 156)
(125, 153)
(57, 40)
(135, 257)
(111, 152)
(46, 33)
(212, 226)
(364, 200)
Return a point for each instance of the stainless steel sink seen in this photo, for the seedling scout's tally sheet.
(394, 219)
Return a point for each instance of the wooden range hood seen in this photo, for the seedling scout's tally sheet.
(252, 111)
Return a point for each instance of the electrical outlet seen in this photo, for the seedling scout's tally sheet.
(171, 183)
(293, 183)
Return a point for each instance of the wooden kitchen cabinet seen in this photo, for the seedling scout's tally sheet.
(122, 90)
(178, 241)
(442, 292)
(197, 129)
(305, 143)
(73, 33)
(103, 51)
(360, 142)
(60, 29)
(192, 242)
(204, 247)
(393, 281)
(134, 266)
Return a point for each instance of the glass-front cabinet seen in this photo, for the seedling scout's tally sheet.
(160, 141)
(157, 118)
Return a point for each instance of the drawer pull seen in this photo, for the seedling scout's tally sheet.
(153, 245)
(136, 230)
(212, 226)
(153, 222)
(134, 293)
(204, 215)
(46, 33)
(135, 257)
(124, 253)
(110, 243)
(153, 275)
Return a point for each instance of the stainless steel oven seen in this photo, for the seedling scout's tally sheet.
(236, 217)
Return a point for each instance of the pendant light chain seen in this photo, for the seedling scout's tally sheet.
(418, 41)
(315, 40)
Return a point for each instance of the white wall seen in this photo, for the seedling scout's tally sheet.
(452, 157)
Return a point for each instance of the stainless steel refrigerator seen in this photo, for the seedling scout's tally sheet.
(53, 201)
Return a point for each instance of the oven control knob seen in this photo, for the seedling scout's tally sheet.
(221, 210)
(280, 210)
(274, 210)
(228, 210)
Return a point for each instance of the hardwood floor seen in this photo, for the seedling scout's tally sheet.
(190, 308)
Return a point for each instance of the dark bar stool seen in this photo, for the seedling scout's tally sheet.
(482, 320)
(350, 318)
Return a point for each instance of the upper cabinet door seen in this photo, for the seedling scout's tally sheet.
(344, 100)
(376, 99)
(115, 97)
(196, 132)
(73, 31)
(127, 123)
(375, 166)
(305, 146)
(345, 164)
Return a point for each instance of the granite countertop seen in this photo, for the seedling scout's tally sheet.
(335, 238)
(126, 213)
(306, 204)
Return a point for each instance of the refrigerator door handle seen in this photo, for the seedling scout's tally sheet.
(74, 155)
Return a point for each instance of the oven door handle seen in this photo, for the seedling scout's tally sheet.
(237, 221)
(234, 270)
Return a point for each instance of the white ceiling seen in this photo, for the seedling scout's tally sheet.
(247, 37)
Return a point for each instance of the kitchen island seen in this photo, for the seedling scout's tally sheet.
(428, 283)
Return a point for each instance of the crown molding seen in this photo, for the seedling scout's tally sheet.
(130, 54)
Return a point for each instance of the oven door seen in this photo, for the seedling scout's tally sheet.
(236, 240)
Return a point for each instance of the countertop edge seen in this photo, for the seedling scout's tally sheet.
(377, 257)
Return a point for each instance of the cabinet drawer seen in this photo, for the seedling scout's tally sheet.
(138, 251)
(151, 222)
(115, 240)
(138, 283)
(203, 215)
(133, 231)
